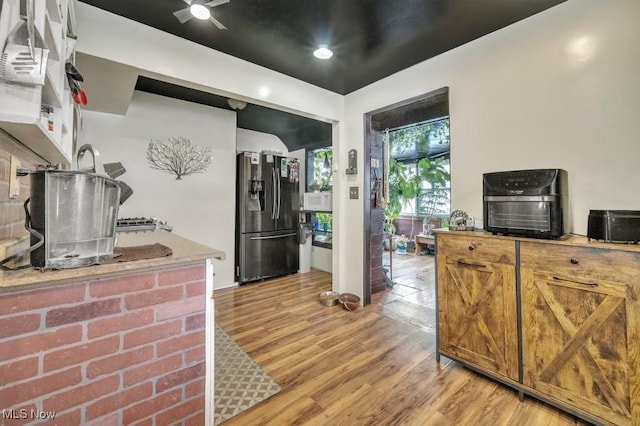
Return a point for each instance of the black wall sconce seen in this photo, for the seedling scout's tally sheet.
(352, 162)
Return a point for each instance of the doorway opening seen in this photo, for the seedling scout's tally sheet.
(425, 110)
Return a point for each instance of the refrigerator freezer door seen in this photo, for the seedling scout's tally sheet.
(265, 255)
(255, 203)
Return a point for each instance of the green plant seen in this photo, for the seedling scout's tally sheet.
(325, 220)
(407, 187)
(422, 188)
(323, 175)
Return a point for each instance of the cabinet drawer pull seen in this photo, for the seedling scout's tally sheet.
(574, 261)
(477, 265)
(576, 282)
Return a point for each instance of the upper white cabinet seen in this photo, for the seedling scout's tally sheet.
(40, 116)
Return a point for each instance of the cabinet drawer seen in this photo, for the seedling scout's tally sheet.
(585, 263)
(472, 248)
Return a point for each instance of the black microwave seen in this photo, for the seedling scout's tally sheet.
(529, 203)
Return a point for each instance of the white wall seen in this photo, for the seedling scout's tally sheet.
(321, 258)
(201, 206)
(558, 90)
(249, 140)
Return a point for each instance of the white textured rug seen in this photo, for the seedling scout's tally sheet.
(240, 383)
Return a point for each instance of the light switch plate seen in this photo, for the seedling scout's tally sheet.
(353, 192)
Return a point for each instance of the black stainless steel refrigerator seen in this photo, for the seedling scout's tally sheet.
(267, 212)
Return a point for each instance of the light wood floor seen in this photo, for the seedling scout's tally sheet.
(373, 366)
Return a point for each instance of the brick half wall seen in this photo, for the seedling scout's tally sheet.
(113, 351)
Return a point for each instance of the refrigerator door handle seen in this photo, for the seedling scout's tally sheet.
(274, 193)
(279, 197)
(273, 237)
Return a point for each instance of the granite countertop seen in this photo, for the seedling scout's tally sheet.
(184, 252)
(567, 239)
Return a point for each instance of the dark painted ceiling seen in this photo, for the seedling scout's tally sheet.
(295, 131)
(371, 39)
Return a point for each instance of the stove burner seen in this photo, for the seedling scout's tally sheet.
(134, 224)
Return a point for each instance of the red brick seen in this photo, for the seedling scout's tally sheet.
(81, 394)
(86, 311)
(70, 418)
(18, 370)
(179, 377)
(197, 420)
(115, 324)
(41, 386)
(194, 322)
(119, 285)
(178, 344)
(119, 362)
(195, 289)
(152, 334)
(119, 400)
(194, 355)
(80, 353)
(180, 308)
(182, 275)
(195, 388)
(151, 406)
(28, 345)
(152, 369)
(153, 297)
(181, 411)
(145, 422)
(36, 299)
(12, 326)
(111, 419)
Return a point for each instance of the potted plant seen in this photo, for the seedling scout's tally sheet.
(401, 244)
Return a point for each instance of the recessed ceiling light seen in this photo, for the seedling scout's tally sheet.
(199, 10)
(323, 53)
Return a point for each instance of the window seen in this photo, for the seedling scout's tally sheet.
(319, 170)
(420, 169)
(320, 178)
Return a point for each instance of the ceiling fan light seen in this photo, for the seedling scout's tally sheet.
(198, 10)
(323, 53)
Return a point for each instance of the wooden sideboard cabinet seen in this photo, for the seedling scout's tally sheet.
(581, 328)
(558, 320)
(477, 303)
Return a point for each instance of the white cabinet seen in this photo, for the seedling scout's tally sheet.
(48, 134)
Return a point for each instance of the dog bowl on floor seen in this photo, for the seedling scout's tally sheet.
(349, 301)
(328, 298)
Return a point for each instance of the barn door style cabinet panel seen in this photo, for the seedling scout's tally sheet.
(477, 303)
(580, 328)
(574, 308)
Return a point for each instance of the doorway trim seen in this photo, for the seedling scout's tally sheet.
(376, 121)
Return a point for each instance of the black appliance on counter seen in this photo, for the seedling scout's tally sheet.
(267, 213)
(529, 203)
(614, 226)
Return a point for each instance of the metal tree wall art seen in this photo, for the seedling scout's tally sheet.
(178, 156)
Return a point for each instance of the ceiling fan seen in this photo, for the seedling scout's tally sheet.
(200, 9)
